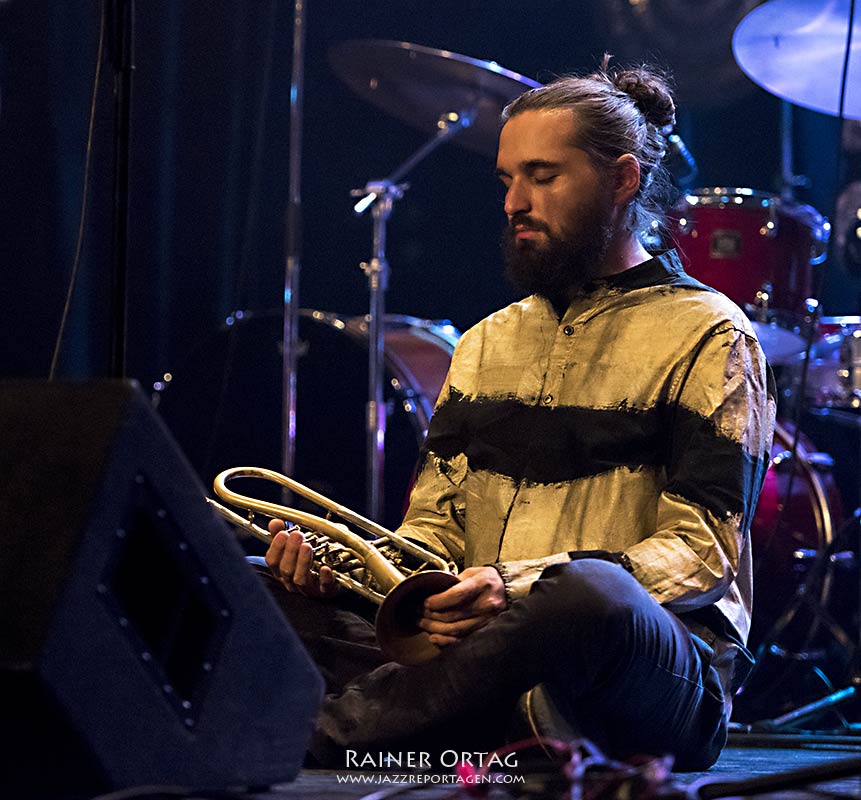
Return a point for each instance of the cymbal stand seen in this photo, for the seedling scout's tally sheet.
(850, 643)
(380, 196)
(120, 19)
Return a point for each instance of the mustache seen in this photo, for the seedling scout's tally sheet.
(525, 221)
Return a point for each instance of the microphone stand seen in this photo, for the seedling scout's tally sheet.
(121, 26)
(293, 260)
(380, 196)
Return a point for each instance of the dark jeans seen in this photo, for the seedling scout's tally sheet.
(623, 670)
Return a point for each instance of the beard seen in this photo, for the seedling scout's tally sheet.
(566, 262)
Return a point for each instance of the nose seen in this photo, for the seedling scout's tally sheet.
(517, 199)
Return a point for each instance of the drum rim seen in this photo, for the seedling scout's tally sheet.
(722, 195)
(745, 197)
(841, 320)
(823, 518)
(825, 521)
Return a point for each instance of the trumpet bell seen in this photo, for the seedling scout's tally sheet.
(398, 633)
(395, 573)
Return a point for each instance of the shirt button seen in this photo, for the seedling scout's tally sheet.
(568, 330)
(548, 399)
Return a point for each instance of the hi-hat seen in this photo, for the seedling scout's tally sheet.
(795, 49)
(420, 84)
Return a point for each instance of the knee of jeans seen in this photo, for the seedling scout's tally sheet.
(601, 591)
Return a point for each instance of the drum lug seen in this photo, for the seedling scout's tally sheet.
(782, 461)
(845, 559)
(760, 309)
(402, 390)
(686, 225)
(769, 229)
(821, 462)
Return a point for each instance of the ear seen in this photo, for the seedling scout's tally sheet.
(627, 181)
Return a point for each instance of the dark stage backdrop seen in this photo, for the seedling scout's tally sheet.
(209, 154)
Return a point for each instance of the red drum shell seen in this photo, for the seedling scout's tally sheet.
(740, 241)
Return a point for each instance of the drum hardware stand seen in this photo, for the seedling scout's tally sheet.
(836, 697)
(789, 179)
(380, 196)
(805, 595)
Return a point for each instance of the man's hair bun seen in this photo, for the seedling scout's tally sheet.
(650, 92)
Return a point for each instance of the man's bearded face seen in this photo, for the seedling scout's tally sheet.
(562, 261)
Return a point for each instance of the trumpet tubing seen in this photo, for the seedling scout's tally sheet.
(388, 570)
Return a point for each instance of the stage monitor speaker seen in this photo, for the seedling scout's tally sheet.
(137, 647)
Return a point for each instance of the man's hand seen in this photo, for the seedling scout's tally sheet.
(467, 606)
(289, 558)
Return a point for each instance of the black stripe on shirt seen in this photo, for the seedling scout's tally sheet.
(556, 445)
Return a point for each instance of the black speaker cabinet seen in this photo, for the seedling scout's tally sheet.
(136, 644)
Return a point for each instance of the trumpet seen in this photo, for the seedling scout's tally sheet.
(389, 570)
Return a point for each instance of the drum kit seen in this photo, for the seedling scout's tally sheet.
(759, 249)
(762, 252)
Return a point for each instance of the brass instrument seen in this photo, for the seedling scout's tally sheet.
(392, 572)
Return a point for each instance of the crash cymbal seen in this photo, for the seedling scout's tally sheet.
(419, 84)
(795, 50)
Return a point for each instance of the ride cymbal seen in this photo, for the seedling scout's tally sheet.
(795, 50)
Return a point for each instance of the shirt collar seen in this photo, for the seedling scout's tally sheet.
(662, 268)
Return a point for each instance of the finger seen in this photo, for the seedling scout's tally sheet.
(276, 525)
(485, 604)
(275, 552)
(328, 584)
(458, 595)
(442, 641)
(287, 564)
(457, 629)
(302, 574)
(463, 612)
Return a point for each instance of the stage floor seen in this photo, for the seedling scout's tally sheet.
(750, 759)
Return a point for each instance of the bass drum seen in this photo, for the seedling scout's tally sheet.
(223, 404)
(787, 534)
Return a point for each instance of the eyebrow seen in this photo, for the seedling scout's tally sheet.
(530, 166)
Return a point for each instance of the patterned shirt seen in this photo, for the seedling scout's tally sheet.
(639, 423)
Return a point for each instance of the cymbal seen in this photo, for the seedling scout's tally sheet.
(795, 49)
(780, 345)
(419, 84)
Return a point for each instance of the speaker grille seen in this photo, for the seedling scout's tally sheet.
(165, 602)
